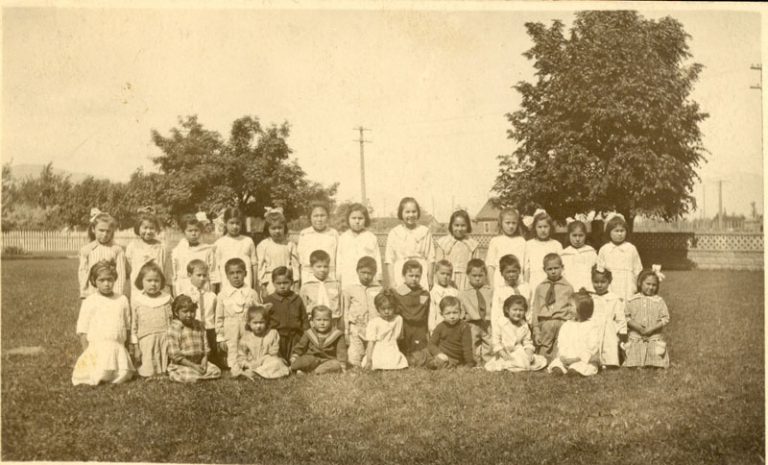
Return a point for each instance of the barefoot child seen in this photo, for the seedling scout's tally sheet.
(231, 305)
(257, 354)
(578, 341)
(358, 308)
(476, 302)
(151, 317)
(450, 345)
(442, 288)
(288, 316)
(101, 232)
(188, 347)
(322, 348)
(512, 344)
(552, 306)
(647, 315)
(382, 334)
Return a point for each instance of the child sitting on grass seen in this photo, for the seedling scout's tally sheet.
(382, 334)
(257, 354)
(451, 343)
(512, 343)
(322, 348)
(188, 347)
(578, 341)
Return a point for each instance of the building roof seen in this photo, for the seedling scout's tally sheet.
(488, 212)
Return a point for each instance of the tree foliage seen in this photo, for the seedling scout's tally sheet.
(608, 124)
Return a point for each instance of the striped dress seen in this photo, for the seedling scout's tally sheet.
(646, 350)
(94, 252)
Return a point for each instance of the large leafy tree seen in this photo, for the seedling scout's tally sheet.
(608, 123)
(250, 170)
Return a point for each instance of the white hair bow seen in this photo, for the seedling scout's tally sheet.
(599, 267)
(268, 210)
(202, 217)
(570, 219)
(610, 215)
(94, 213)
(656, 269)
(528, 220)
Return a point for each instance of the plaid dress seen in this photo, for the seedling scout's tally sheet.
(188, 342)
(647, 350)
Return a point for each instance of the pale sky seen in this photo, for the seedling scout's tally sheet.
(84, 87)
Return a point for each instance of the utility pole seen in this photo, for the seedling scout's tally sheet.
(362, 141)
(720, 205)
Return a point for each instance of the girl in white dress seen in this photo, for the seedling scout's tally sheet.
(319, 236)
(579, 257)
(103, 326)
(235, 245)
(458, 248)
(101, 232)
(512, 345)
(620, 257)
(147, 248)
(608, 316)
(382, 334)
(538, 247)
(275, 251)
(151, 316)
(509, 242)
(355, 243)
(189, 248)
(409, 241)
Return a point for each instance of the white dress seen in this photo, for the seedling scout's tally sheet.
(105, 321)
(405, 244)
(311, 240)
(535, 251)
(610, 320)
(624, 263)
(352, 247)
(514, 340)
(497, 248)
(579, 340)
(228, 247)
(577, 266)
(386, 355)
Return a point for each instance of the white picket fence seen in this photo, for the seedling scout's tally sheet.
(67, 242)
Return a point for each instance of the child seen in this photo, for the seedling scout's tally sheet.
(509, 242)
(510, 271)
(620, 257)
(355, 243)
(231, 305)
(578, 258)
(320, 288)
(382, 334)
(257, 353)
(205, 302)
(578, 341)
(146, 249)
(276, 250)
(608, 316)
(191, 248)
(541, 245)
(101, 232)
(234, 245)
(358, 308)
(451, 343)
(551, 306)
(322, 348)
(319, 236)
(288, 315)
(412, 303)
(151, 317)
(647, 315)
(458, 248)
(188, 347)
(409, 241)
(476, 302)
(441, 288)
(102, 327)
(512, 343)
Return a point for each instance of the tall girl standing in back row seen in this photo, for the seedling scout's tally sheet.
(319, 236)
(146, 248)
(101, 232)
(458, 248)
(620, 257)
(509, 242)
(409, 241)
(355, 243)
(233, 244)
(538, 247)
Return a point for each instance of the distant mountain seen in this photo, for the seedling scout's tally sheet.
(23, 171)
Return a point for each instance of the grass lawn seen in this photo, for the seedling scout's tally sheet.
(708, 408)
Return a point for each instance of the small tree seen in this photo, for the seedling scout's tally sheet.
(608, 124)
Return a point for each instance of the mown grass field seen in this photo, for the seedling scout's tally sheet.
(708, 408)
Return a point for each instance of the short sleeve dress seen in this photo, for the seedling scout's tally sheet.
(386, 355)
(458, 252)
(647, 350)
(405, 244)
(624, 263)
(497, 248)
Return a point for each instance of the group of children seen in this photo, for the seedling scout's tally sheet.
(318, 306)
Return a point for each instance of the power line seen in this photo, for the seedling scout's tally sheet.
(362, 141)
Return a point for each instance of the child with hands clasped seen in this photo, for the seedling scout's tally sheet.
(552, 306)
(578, 341)
(191, 248)
(537, 248)
(275, 251)
(359, 309)
(510, 270)
(101, 232)
(147, 248)
(288, 315)
(578, 257)
(102, 327)
(476, 302)
(382, 334)
(609, 317)
(441, 288)
(509, 242)
(647, 315)
(322, 348)
(450, 345)
(231, 305)
(512, 344)
(409, 241)
(188, 347)
(235, 245)
(259, 346)
(151, 317)
(319, 236)
(620, 257)
(355, 243)
(457, 247)
(321, 288)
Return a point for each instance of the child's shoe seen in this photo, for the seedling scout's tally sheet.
(557, 371)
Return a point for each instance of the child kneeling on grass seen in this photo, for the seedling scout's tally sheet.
(511, 342)
(451, 342)
(188, 347)
(258, 351)
(322, 348)
(578, 342)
